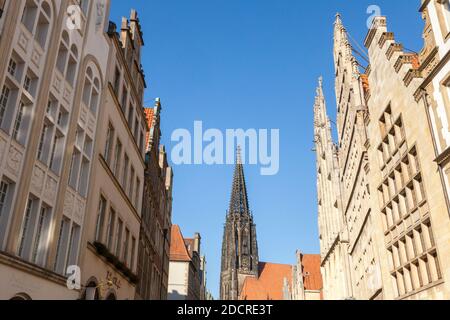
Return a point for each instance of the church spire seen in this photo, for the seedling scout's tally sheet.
(239, 200)
(239, 247)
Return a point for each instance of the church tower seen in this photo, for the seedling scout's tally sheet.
(239, 248)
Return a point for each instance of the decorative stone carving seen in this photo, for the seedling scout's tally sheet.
(37, 180)
(23, 41)
(51, 189)
(14, 160)
(36, 58)
(68, 204)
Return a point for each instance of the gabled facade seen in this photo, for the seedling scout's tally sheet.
(334, 242)
(185, 273)
(52, 78)
(411, 200)
(154, 243)
(391, 164)
(354, 168)
(109, 263)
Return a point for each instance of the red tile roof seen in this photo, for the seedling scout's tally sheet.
(178, 250)
(269, 285)
(149, 114)
(311, 272)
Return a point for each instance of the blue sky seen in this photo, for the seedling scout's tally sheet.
(251, 64)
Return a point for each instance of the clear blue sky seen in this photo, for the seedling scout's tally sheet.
(251, 64)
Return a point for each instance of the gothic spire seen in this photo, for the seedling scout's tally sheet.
(239, 200)
(320, 109)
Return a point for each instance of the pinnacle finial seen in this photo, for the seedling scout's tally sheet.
(239, 155)
(338, 18)
(319, 90)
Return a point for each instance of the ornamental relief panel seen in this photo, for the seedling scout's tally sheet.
(51, 189)
(37, 180)
(68, 203)
(14, 160)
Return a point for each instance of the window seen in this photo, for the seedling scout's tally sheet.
(130, 116)
(124, 98)
(29, 15)
(117, 156)
(25, 227)
(141, 142)
(74, 169)
(136, 129)
(34, 233)
(61, 248)
(4, 97)
(40, 241)
(446, 11)
(117, 82)
(72, 253)
(125, 246)
(63, 53)
(18, 124)
(84, 5)
(119, 238)
(136, 195)
(27, 83)
(40, 155)
(125, 173)
(111, 222)
(12, 67)
(72, 65)
(131, 190)
(6, 192)
(43, 25)
(100, 219)
(109, 143)
(133, 253)
(3, 194)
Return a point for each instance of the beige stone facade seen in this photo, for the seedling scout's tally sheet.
(72, 150)
(116, 191)
(401, 253)
(46, 60)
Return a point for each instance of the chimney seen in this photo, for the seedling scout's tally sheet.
(197, 239)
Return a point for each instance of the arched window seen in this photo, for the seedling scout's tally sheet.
(91, 292)
(43, 24)
(30, 12)
(21, 297)
(37, 18)
(63, 53)
(91, 91)
(72, 65)
(111, 296)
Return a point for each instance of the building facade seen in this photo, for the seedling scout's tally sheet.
(398, 221)
(185, 273)
(333, 236)
(411, 197)
(109, 265)
(154, 243)
(71, 195)
(53, 70)
(307, 283)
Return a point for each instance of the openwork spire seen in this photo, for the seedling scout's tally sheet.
(239, 200)
(320, 109)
